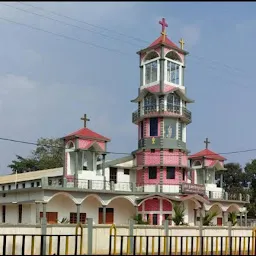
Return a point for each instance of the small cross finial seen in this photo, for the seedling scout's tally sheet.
(181, 43)
(207, 142)
(85, 119)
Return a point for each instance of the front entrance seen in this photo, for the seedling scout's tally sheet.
(109, 215)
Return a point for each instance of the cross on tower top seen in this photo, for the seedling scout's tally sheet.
(85, 119)
(206, 143)
(164, 25)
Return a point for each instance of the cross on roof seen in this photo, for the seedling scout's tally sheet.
(181, 43)
(85, 119)
(206, 143)
(164, 24)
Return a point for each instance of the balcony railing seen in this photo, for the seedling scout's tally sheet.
(107, 186)
(166, 110)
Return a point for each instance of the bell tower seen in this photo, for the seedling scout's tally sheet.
(162, 116)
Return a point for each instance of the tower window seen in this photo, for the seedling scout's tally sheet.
(170, 173)
(152, 173)
(150, 104)
(173, 103)
(151, 72)
(173, 72)
(153, 126)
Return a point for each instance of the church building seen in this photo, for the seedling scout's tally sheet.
(149, 181)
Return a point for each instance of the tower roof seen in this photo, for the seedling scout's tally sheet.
(163, 40)
(206, 153)
(86, 133)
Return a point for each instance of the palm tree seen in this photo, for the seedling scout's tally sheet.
(232, 217)
(209, 216)
(179, 210)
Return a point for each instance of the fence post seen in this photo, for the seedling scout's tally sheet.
(43, 235)
(201, 233)
(230, 237)
(131, 238)
(89, 235)
(166, 234)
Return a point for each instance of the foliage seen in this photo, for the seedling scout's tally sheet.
(179, 212)
(139, 220)
(63, 221)
(209, 216)
(48, 154)
(232, 217)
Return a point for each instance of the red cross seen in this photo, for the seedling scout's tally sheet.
(163, 23)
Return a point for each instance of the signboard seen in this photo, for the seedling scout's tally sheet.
(193, 188)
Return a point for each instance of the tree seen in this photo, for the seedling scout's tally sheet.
(48, 154)
(179, 212)
(233, 178)
(232, 217)
(209, 216)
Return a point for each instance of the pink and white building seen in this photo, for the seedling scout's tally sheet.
(149, 181)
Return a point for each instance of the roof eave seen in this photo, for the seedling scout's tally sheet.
(163, 44)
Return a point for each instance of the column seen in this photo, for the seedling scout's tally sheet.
(241, 219)
(44, 210)
(225, 218)
(136, 210)
(245, 218)
(37, 213)
(221, 180)
(104, 214)
(76, 169)
(103, 170)
(78, 206)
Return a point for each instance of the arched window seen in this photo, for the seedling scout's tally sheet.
(149, 103)
(151, 68)
(197, 163)
(173, 68)
(70, 145)
(173, 103)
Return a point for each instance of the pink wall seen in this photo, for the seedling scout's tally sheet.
(171, 158)
(85, 144)
(152, 205)
(151, 181)
(139, 177)
(175, 181)
(152, 158)
(139, 158)
(167, 206)
(102, 145)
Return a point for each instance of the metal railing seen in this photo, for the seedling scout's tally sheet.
(181, 245)
(84, 184)
(163, 109)
(38, 244)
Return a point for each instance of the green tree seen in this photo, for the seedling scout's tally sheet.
(48, 154)
(208, 218)
(179, 213)
(233, 178)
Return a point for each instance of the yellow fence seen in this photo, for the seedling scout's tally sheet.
(181, 245)
(43, 244)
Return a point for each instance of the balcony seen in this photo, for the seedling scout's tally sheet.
(163, 110)
(142, 188)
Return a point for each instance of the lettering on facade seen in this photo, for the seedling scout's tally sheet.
(193, 188)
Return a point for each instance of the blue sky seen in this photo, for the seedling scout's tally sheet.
(47, 83)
